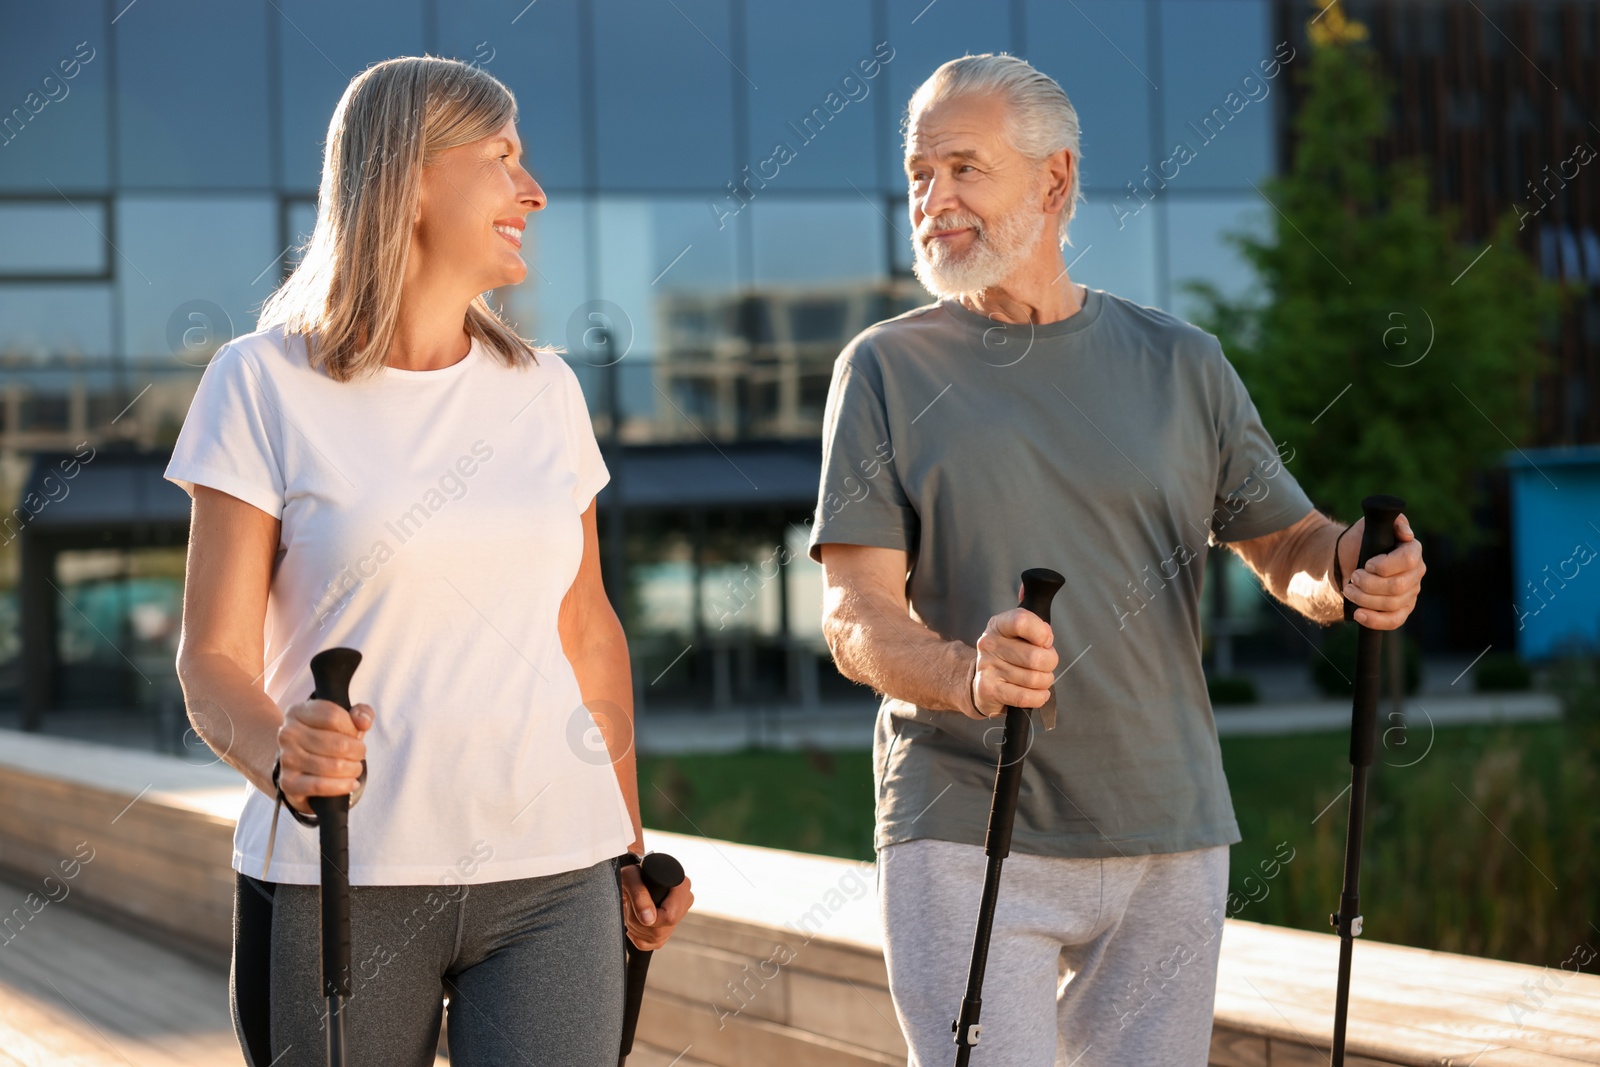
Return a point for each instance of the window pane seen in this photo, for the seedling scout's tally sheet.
(820, 277)
(302, 219)
(322, 47)
(534, 50)
(925, 35)
(53, 238)
(49, 323)
(805, 590)
(815, 102)
(196, 271)
(739, 580)
(1117, 256)
(1196, 249)
(836, 241)
(1214, 97)
(549, 303)
(192, 95)
(660, 245)
(53, 70)
(667, 275)
(1097, 50)
(650, 136)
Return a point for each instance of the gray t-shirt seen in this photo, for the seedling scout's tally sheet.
(1109, 446)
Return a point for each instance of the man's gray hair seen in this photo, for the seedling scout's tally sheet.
(1041, 120)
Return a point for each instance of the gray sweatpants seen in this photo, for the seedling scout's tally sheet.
(1092, 962)
(533, 968)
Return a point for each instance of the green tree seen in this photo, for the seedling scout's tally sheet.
(1389, 355)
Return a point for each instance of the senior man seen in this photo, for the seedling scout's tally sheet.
(1024, 420)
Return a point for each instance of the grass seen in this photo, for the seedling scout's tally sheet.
(1481, 840)
(1484, 845)
(814, 801)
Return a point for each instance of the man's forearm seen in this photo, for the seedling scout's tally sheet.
(900, 657)
(1304, 578)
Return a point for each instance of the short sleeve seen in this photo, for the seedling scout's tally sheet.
(1255, 493)
(860, 500)
(231, 438)
(585, 450)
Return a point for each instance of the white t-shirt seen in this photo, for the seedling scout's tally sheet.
(431, 520)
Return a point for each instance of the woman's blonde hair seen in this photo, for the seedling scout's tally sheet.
(394, 119)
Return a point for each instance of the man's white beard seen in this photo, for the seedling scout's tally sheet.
(996, 251)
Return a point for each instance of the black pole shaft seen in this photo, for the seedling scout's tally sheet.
(1039, 587)
(1377, 538)
(660, 874)
(331, 670)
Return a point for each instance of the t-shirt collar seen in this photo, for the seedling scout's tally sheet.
(1082, 320)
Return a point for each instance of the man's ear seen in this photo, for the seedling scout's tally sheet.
(1056, 190)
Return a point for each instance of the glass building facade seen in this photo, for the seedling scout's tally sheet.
(726, 209)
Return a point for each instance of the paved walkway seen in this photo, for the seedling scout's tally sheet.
(78, 990)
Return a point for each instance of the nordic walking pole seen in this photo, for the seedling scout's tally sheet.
(661, 874)
(1377, 537)
(332, 670)
(1039, 587)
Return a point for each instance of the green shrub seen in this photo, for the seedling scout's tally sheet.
(1232, 689)
(1501, 672)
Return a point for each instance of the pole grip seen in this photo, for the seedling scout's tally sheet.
(1377, 537)
(331, 670)
(1038, 589)
(1377, 534)
(661, 874)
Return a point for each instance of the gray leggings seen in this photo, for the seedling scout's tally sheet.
(533, 968)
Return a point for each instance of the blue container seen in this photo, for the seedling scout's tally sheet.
(1555, 549)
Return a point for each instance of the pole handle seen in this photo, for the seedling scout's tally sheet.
(1038, 589)
(661, 874)
(331, 670)
(1377, 534)
(1377, 537)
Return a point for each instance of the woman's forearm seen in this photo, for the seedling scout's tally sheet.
(605, 680)
(232, 715)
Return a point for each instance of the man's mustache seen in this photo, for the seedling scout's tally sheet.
(949, 222)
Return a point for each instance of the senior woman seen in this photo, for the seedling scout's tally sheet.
(386, 465)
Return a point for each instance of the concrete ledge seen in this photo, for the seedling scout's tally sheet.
(780, 961)
(156, 831)
(1421, 713)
